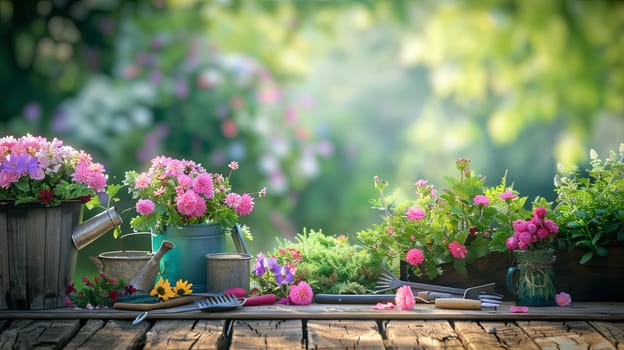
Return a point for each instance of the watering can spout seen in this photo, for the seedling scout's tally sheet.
(92, 229)
(145, 278)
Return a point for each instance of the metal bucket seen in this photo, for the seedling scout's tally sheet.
(227, 270)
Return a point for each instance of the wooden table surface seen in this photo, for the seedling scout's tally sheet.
(320, 326)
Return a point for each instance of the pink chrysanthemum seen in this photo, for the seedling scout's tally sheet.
(414, 213)
(458, 250)
(481, 199)
(245, 205)
(232, 200)
(191, 204)
(404, 298)
(145, 206)
(203, 184)
(508, 195)
(301, 294)
(415, 256)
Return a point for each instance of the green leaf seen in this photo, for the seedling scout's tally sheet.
(586, 257)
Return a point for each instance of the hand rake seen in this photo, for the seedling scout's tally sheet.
(431, 292)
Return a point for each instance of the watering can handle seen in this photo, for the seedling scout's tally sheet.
(239, 240)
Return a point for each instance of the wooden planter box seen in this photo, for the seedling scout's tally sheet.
(600, 279)
(37, 256)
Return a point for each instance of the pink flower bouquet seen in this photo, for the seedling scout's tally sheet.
(34, 169)
(180, 192)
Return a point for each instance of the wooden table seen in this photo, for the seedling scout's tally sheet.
(320, 326)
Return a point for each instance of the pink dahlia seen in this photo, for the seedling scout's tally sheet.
(300, 294)
(414, 213)
(481, 199)
(415, 256)
(245, 205)
(144, 206)
(458, 250)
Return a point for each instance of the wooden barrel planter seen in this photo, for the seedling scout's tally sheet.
(600, 279)
(37, 255)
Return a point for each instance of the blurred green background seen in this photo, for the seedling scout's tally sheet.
(314, 98)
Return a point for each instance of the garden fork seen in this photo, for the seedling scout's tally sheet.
(431, 292)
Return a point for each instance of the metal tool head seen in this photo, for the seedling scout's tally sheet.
(219, 303)
(474, 292)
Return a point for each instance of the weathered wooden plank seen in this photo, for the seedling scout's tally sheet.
(421, 335)
(53, 267)
(86, 331)
(183, 334)
(36, 263)
(565, 335)
(613, 331)
(45, 334)
(493, 335)
(117, 334)
(4, 260)
(267, 335)
(344, 335)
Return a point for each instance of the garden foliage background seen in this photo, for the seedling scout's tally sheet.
(314, 98)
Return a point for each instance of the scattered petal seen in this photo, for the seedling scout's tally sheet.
(563, 299)
(382, 306)
(518, 309)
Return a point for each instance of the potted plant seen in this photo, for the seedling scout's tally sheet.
(590, 213)
(178, 200)
(423, 237)
(43, 187)
(590, 205)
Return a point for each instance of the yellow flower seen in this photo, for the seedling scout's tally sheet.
(182, 287)
(163, 290)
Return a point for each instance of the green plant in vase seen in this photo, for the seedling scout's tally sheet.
(590, 205)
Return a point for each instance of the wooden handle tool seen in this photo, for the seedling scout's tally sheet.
(458, 304)
(183, 300)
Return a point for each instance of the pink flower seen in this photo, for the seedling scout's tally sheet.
(190, 204)
(245, 205)
(414, 213)
(145, 206)
(540, 212)
(404, 298)
(508, 195)
(563, 299)
(415, 256)
(520, 225)
(233, 165)
(142, 181)
(301, 294)
(232, 200)
(457, 250)
(203, 184)
(512, 242)
(481, 199)
(551, 226)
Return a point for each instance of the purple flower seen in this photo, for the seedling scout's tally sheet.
(283, 275)
(260, 265)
